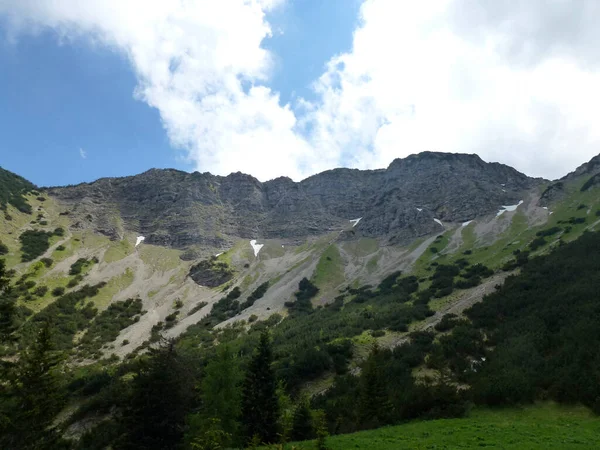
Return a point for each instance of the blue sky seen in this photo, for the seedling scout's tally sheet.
(293, 87)
(57, 98)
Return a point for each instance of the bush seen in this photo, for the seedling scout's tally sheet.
(34, 243)
(47, 262)
(58, 291)
(3, 249)
(60, 248)
(59, 231)
(41, 291)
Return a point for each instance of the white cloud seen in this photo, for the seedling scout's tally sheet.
(82, 153)
(515, 83)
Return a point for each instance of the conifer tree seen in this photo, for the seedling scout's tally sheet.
(303, 428)
(221, 401)
(37, 396)
(260, 408)
(161, 390)
(7, 305)
(375, 407)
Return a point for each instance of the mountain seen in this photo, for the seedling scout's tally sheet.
(413, 257)
(420, 209)
(179, 209)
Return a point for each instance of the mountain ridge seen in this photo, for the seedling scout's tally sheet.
(239, 205)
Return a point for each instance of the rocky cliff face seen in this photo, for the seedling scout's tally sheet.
(179, 209)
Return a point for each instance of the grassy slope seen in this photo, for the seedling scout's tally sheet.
(537, 427)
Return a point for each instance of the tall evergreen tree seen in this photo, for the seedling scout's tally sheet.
(375, 408)
(161, 391)
(36, 395)
(303, 428)
(221, 400)
(260, 407)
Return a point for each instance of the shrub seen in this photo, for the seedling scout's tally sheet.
(59, 231)
(34, 243)
(178, 304)
(197, 308)
(3, 249)
(43, 223)
(41, 291)
(47, 262)
(125, 342)
(61, 248)
(58, 291)
(253, 318)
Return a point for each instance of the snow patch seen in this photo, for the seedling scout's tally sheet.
(420, 209)
(503, 190)
(509, 208)
(438, 221)
(218, 254)
(466, 224)
(503, 184)
(545, 207)
(355, 221)
(139, 240)
(256, 247)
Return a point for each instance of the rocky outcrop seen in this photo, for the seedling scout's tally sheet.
(179, 209)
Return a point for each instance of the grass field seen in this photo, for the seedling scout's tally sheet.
(540, 427)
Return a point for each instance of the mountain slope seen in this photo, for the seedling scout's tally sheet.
(422, 210)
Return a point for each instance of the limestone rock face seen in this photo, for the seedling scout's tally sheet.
(179, 209)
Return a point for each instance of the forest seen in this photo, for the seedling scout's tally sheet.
(534, 338)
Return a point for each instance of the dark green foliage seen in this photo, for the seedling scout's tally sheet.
(60, 248)
(7, 304)
(576, 220)
(74, 281)
(260, 407)
(59, 231)
(58, 291)
(68, 315)
(302, 422)
(154, 417)
(256, 294)
(375, 408)
(221, 399)
(521, 258)
(537, 243)
(3, 249)
(222, 310)
(40, 291)
(12, 190)
(549, 232)
(47, 262)
(108, 324)
(448, 322)
(36, 396)
(78, 266)
(306, 291)
(34, 243)
(197, 308)
(543, 326)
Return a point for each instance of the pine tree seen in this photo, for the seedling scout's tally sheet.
(303, 428)
(375, 407)
(221, 400)
(161, 390)
(260, 408)
(37, 396)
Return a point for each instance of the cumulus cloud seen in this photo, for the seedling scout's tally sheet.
(515, 82)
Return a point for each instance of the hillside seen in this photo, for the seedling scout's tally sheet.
(555, 428)
(401, 258)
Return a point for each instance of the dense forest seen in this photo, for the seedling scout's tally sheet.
(534, 338)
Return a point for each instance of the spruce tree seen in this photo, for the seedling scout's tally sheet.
(221, 400)
(37, 396)
(303, 428)
(161, 390)
(375, 408)
(260, 407)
